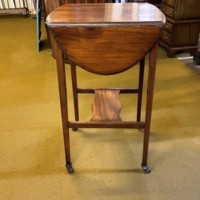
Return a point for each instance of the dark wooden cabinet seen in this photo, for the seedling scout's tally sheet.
(155, 2)
(182, 27)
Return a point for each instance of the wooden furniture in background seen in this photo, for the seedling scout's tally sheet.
(155, 2)
(85, 36)
(182, 27)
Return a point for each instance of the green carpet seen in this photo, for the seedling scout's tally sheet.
(107, 162)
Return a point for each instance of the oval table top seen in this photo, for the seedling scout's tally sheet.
(106, 38)
(106, 14)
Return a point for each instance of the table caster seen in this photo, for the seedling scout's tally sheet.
(146, 169)
(69, 168)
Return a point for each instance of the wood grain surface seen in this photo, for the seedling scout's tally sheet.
(106, 38)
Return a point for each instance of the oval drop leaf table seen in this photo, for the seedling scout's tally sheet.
(106, 39)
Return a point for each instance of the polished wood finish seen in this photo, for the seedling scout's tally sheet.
(129, 37)
(106, 124)
(106, 105)
(183, 9)
(78, 34)
(50, 5)
(63, 101)
(140, 89)
(106, 39)
(132, 14)
(182, 27)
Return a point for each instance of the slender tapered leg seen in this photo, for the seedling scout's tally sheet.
(149, 103)
(63, 105)
(140, 88)
(75, 93)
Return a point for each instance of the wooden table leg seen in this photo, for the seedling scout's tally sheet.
(140, 88)
(63, 105)
(75, 93)
(149, 103)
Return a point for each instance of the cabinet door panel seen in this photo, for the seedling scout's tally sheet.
(186, 34)
(187, 10)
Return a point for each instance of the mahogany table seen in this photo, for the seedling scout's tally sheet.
(106, 39)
